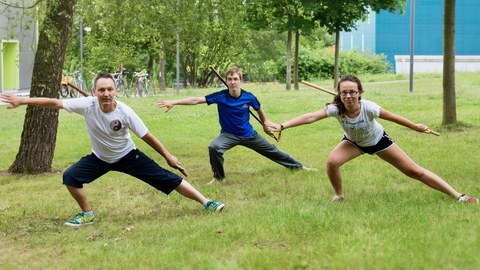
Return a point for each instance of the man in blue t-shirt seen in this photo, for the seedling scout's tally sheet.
(233, 106)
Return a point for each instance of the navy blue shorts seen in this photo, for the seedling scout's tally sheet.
(384, 143)
(135, 163)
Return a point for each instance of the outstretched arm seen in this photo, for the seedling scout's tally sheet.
(15, 101)
(303, 119)
(168, 104)
(155, 143)
(387, 115)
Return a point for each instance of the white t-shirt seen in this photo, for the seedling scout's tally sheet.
(364, 130)
(109, 132)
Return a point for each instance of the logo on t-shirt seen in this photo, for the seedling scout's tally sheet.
(116, 125)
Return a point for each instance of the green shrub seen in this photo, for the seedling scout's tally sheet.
(319, 64)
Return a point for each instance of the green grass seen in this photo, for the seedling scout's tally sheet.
(274, 218)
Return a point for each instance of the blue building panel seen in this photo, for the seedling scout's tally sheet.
(390, 32)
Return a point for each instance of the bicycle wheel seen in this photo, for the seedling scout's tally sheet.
(64, 90)
(74, 93)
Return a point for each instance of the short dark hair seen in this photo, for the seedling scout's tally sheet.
(102, 75)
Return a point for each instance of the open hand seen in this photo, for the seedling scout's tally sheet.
(165, 103)
(10, 98)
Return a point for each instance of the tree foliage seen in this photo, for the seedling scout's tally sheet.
(131, 32)
(283, 16)
(342, 15)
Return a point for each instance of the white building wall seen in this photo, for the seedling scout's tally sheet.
(434, 63)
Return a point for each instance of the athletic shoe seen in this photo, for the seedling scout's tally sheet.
(467, 199)
(337, 198)
(80, 219)
(214, 206)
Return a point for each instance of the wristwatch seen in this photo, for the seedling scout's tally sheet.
(281, 127)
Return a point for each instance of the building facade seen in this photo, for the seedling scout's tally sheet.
(389, 34)
(18, 40)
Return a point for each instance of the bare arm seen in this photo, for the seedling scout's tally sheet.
(263, 119)
(15, 101)
(303, 119)
(387, 115)
(168, 104)
(155, 143)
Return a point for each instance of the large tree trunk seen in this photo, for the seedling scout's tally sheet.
(337, 59)
(449, 102)
(295, 68)
(288, 78)
(39, 134)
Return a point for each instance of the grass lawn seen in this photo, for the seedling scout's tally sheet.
(274, 218)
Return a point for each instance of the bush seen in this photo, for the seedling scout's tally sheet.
(319, 64)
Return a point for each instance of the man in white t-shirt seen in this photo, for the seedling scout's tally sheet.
(109, 122)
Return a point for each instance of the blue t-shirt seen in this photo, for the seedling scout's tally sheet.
(233, 112)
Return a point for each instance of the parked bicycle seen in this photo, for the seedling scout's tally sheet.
(121, 83)
(70, 83)
(64, 88)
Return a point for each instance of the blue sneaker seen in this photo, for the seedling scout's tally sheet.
(80, 219)
(214, 206)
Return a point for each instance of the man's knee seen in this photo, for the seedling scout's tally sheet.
(214, 147)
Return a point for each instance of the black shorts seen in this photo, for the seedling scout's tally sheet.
(384, 143)
(135, 163)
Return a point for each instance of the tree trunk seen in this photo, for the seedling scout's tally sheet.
(288, 78)
(39, 134)
(295, 68)
(337, 59)
(161, 69)
(449, 102)
(151, 60)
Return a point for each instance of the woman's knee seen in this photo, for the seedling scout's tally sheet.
(332, 163)
(415, 172)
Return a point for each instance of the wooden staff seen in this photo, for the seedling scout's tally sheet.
(254, 116)
(78, 89)
(334, 94)
(319, 88)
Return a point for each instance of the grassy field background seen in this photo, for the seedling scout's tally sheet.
(274, 218)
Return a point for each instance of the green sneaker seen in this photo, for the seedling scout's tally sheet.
(80, 219)
(214, 206)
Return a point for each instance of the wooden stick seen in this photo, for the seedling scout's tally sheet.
(225, 83)
(78, 89)
(433, 132)
(333, 93)
(319, 88)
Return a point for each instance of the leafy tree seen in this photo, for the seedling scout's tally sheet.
(342, 15)
(205, 28)
(449, 102)
(284, 16)
(39, 134)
